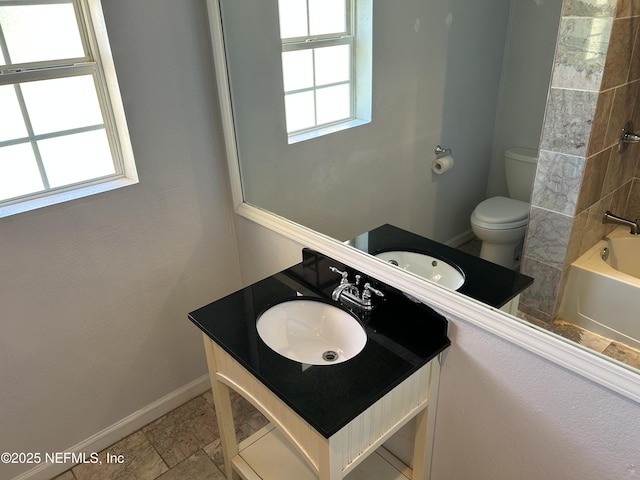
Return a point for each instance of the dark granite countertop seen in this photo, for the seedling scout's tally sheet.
(402, 336)
(488, 282)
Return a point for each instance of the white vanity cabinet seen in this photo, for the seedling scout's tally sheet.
(327, 421)
(291, 448)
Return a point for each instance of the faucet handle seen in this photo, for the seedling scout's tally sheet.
(366, 295)
(368, 290)
(345, 275)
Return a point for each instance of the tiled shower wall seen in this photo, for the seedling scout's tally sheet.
(581, 174)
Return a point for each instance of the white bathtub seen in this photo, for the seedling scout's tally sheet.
(604, 296)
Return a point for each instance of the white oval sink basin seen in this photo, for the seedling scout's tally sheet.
(311, 331)
(431, 268)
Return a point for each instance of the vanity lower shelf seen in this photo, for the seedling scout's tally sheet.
(267, 455)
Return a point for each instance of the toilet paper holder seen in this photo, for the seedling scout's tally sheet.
(443, 161)
(439, 150)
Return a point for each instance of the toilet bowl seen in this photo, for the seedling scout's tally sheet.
(500, 223)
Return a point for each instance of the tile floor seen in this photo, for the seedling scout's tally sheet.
(184, 444)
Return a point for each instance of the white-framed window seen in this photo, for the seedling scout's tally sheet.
(63, 134)
(326, 65)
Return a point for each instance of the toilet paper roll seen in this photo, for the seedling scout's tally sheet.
(441, 165)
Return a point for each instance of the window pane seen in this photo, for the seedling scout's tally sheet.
(297, 70)
(75, 158)
(62, 104)
(41, 32)
(11, 122)
(19, 174)
(299, 109)
(332, 64)
(327, 16)
(293, 18)
(333, 103)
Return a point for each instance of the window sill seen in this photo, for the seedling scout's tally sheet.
(73, 193)
(319, 132)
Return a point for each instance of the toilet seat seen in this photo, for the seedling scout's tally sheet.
(501, 213)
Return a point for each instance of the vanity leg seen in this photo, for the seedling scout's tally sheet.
(425, 428)
(328, 469)
(224, 413)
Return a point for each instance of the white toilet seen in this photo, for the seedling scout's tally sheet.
(501, 222)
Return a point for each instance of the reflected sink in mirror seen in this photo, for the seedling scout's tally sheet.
(426, 266)
(311, 331)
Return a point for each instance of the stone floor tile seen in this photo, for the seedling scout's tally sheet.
(579, 335)
(571, 332)
(208, 396)
(624, 354)
(472, 247)
(140, 462)
(68, 475)
(248, 419)
(214, 451)
(197, 467)
(183, 431)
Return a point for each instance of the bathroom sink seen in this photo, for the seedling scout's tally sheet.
(426, 266)
(311, 331)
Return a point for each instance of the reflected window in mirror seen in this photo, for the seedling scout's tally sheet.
(326, 65)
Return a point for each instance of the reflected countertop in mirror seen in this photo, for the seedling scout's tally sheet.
(487, 282)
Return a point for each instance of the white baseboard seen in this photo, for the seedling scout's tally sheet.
(460, 239)
(122, 428)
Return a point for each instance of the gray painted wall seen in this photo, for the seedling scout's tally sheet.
(526, 75)
(94, 293)
(436, 78)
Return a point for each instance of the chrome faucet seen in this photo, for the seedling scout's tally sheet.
(611, 218)
(349, 293)
(344, 285)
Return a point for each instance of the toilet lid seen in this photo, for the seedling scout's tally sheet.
(502, 211)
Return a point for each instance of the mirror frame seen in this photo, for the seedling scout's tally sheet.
(590, 364)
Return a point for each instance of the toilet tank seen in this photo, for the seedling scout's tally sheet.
(520, 169)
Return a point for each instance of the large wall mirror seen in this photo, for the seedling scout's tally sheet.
(470, 76)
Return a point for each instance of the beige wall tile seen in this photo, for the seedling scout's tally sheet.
(627, 8)
(601, 121)
(623, 36)
(622, 110)
(574, 249)
(592, 180)
(633, 207)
